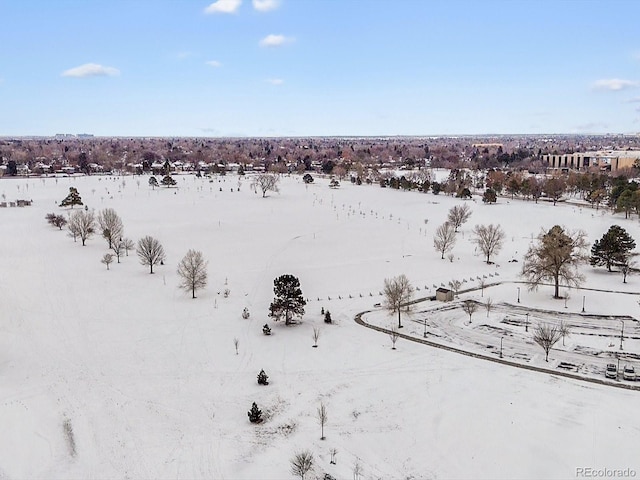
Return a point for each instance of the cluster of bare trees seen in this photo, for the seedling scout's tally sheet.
(82, 224)
(488, 238)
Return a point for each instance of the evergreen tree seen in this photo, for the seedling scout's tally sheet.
(327, 317)
(168, 181)
(613, 248)
(72, 199)
(626, 202)
(489, 196)
(255, 414)
(263, 379)
(288, 300)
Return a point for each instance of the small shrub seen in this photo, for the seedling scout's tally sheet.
(255, 414)
(70, 438)
(266, 329)
(327, 317)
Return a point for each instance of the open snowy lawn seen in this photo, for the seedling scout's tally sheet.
(119, 374)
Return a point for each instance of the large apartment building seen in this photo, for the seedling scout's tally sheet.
(610, 160)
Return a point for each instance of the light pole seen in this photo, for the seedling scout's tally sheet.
(621, 333)
(583, 297)
(501, 346)
(518, 294)
(526, 325)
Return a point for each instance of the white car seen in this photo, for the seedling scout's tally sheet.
(629, 373)
(611, 371)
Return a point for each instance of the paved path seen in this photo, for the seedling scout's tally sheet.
(358, 319)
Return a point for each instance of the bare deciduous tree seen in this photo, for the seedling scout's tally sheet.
(458, 215)
(482, 283)
(322, 418)
(301, 463)
(444, 239)
(488, 304)
(397, 292)
(82, 223)
(357, 469)
(107, 259)
(192, 270)
(236, 342)
(469, 307)
(393, 335)
(546, 336)
(455, 286)
(626, 267)
(315, 335)
(266, 182)
(128, 244)
(489, 238)
(110, 225)
(555, 257)
(150, 252)
(118, 248)
(56, 220)
(565, 330)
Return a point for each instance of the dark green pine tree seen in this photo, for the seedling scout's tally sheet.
(168, 181)
(288, 300)
(72, 199)
(489, 196)
(613, 248)
(255, 414)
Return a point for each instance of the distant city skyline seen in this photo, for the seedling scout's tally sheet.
(245, 68)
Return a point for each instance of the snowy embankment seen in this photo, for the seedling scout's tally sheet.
(119, 374)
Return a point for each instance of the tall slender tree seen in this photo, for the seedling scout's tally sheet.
(110, 225)
(397, 292)
(192, 270)
(444, 239)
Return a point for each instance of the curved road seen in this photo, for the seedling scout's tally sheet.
(358, 319)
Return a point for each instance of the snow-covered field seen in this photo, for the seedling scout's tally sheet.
(119, 374)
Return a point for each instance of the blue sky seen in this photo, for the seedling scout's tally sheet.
(318, 67)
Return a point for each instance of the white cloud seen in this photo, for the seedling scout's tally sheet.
(223, 6)
(275, 81)
(91, 70)
(186, 54)
(266, 5)
(213, 63)
(614, 84)
(275, 40)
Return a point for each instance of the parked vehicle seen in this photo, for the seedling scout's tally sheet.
(611, 371)
(629, 373)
